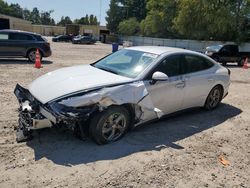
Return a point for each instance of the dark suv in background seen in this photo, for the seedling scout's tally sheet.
(227, 53)
(15, 43)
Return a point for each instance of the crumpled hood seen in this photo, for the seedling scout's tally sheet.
(72, 79)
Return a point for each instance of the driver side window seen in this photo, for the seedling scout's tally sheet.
(171, 66)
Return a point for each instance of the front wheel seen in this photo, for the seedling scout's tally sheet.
(109, 125)
(214, 98)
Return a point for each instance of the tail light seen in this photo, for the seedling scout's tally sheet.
(229, 72)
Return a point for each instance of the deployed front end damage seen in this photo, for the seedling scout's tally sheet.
(75, 109)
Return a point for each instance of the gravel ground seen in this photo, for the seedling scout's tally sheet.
(180, 151)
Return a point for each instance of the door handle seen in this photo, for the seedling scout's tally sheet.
(210, 79)
(180, 85)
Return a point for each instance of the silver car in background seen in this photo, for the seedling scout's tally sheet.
(123, 90)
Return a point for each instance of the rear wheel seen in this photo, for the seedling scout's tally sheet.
(214, 98)
(109, 125)
(241, 62)
(32, 55)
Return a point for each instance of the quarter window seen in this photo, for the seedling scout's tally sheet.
(196, 63)
(4, 36)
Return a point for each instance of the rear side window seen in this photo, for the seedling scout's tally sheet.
(225, 49)
(20, 36)
(194, 63)
(4, 36)
(39, 38)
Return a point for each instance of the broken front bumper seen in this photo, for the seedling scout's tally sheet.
(34, 115)
(30, 116)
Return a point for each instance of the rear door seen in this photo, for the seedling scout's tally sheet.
(199, 80)
(19, 43)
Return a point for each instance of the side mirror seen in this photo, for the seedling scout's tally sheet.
(159, 76)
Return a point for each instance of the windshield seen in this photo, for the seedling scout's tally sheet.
(129, 63)
(214, 48)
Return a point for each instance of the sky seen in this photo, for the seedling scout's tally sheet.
(72, 8)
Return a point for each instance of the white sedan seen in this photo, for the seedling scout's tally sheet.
(127, 88)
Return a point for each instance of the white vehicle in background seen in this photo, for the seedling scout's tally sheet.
(127, 88)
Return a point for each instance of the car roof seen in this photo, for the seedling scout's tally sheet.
(159, 50)
(16, 31)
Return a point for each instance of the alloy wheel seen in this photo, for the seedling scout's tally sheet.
(114, 127)
(214, 98)
(32, 56)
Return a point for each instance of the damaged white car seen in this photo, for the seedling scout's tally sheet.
(127, 88)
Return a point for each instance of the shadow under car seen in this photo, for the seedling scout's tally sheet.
(63, 148)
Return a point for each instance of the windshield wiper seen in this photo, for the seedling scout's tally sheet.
(106, 69)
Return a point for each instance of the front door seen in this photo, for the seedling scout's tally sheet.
(168, 95)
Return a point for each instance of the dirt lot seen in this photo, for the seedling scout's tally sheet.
(181, 151)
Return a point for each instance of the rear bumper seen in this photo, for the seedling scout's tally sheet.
(47, 53)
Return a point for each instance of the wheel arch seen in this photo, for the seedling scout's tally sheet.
(128, 106)
(34, 48)
(221, 86)
(131, 110)
(215, 85)
(207, 104)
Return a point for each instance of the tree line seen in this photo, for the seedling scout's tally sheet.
(43, 17)
(227, 20)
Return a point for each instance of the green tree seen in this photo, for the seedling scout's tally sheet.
(12, 10)
(159, 20)
(86, 20)
(212, 19)
(4, 7)
(64, 21)
(114, 16)
(120, 10)
(134, 8)
(46, 18)
(96, 21)
(241, 10)
(129, 27)
(16, 10)
(26, 14)
(91, 20)
(35, 16)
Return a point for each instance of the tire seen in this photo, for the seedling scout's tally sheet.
(104, 132)
(241, 62)
(214, 98)
(32, 56)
